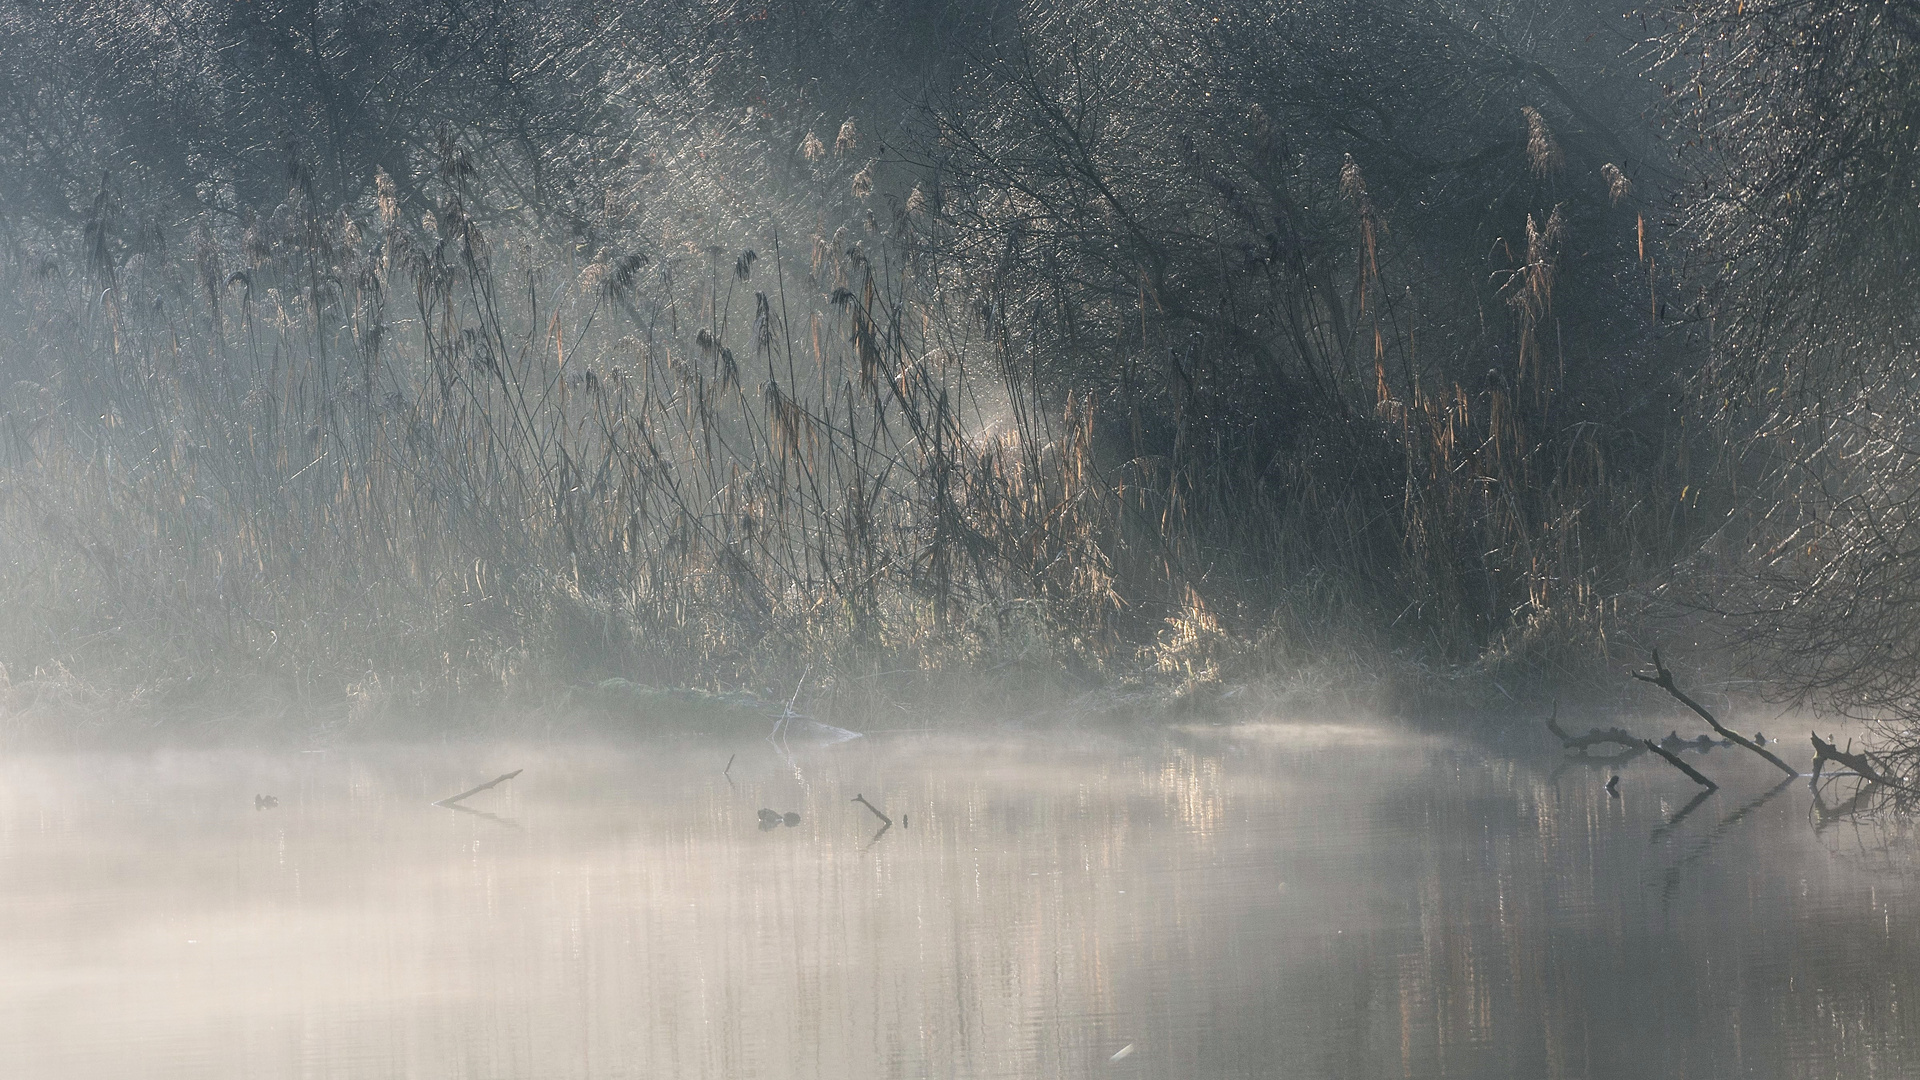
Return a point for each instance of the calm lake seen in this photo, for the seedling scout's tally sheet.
(1283, 900)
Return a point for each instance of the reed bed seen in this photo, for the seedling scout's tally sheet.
(413, 455)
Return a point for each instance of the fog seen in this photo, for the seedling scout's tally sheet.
(879, 538)
(1228, 901)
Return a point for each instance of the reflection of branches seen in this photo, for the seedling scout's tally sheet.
(1593, 761)
(1878, 818)
(1595, 737)
(1880, 794)
(1673, 822)
(452, 802)
(1707, 842)
(1872, 799)
(1860, 803)
(1879, 803)
(508, 822)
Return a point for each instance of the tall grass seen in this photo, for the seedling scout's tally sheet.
(405, 454)
(335, 447)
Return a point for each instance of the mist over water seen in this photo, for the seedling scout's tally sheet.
(404, 378)
(1234, 901)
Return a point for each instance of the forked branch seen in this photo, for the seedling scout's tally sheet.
(1824, 751)
(1663, 679)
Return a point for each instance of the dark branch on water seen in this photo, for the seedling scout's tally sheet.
(1663, 679)
(495, 782)
(1674, 760)
(877, 812)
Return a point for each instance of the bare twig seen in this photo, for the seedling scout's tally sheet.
(1663, 679)
(877, 812)
(451, 799)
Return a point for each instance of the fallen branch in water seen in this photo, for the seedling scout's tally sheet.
(1663, 679)
(1824, 751)
(862, 800)
(495, 782)
(1596, 737)
(1674, 760)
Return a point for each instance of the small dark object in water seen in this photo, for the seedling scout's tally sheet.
(1613, 786)
(767, 815)
(1759, 738)
(792, 819)
(903, 821)
(265, 802)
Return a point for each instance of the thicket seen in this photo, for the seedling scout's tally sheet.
(445, 350)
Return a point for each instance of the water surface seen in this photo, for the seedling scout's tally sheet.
(1281, 900)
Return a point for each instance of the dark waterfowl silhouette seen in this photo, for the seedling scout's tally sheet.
(265, 802)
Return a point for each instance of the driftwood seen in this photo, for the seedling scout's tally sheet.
(1674, 760)
(877, 812)
(1596, 737)
(1824, 751)
(495, 782)
(1663, 679)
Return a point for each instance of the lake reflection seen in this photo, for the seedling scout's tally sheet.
(1255, 901)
